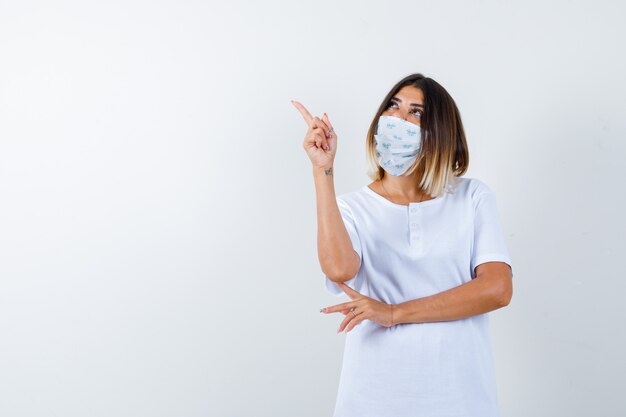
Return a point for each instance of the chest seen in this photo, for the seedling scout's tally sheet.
(418, 230)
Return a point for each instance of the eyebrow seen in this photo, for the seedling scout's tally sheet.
(410, 104)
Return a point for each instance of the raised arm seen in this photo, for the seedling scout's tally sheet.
(338, 259)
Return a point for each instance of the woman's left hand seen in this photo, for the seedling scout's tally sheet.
(365, 308)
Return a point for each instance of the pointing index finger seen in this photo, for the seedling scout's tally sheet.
(337, 307)
(303, 111)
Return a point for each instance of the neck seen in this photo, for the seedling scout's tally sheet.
(402, 186)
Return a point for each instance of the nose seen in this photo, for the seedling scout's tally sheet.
(402, 114)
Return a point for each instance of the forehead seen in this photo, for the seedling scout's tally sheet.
(410, 94)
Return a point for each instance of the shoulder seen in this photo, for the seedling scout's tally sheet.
(473, 190)
(473, 187)
(355, 202)
(351, 198)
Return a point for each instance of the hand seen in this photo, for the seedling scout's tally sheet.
(320, 141)
(364, 308)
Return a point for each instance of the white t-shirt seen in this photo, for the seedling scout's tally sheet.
(430, 369)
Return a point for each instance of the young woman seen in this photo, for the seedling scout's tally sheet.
(422, 257)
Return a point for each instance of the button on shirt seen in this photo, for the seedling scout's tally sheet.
(411, 251)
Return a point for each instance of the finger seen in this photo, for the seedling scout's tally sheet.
(303, 111)
(327, 121)
(351, 293)
(331, 132)
(318, 138)
(347, 321)
(327, 135)
(317, 122)
(344, 311)
(355, 322)
(339, 307)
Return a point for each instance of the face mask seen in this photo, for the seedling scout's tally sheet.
(397, 144)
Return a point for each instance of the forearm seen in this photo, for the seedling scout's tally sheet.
(324, 180)
(477, 296)
(336, 255)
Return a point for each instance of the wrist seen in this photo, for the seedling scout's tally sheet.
(397, 314)
(324, 176)
(328, 170)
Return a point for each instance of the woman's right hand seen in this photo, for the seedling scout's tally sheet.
(320, 141)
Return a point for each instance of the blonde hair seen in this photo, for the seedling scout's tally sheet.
(443, 156)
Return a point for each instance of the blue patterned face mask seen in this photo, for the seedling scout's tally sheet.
(397, 144)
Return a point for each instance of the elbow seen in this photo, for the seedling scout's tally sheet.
(340, 276)
(504, 301)
(343, 272)
(505, 294)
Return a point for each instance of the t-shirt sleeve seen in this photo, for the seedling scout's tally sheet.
(489, 242)
(351, 227)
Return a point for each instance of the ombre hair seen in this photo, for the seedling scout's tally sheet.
(443, 154)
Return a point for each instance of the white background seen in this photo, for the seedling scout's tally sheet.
(157, 210)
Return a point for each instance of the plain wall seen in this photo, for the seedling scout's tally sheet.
(157, 214)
